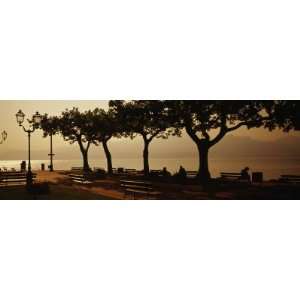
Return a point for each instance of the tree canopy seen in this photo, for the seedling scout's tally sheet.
(208, 122)
(105, 125)
(148, 118)
(50, 125)
(283, 114)
(76, 126)
(205, 122)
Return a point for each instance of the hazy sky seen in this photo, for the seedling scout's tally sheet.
(17, 139)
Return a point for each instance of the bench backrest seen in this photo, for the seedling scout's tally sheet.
(156, 172)
(77, 175)
(235, 175)
(12, 175)
(128, 183)
(137, 187)
(18, 177)
(77, 168)
(130, 170)
(290, 178)
(192, 173)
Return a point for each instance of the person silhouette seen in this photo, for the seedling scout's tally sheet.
(182, 172)
(165, 172)
(245, 174)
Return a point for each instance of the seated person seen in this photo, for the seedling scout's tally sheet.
(245, 174)
(165, 172)
(182, 172)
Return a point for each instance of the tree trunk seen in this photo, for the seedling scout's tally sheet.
(146, 158)
(203, 171)
(84, 152)
(86, 166)
(108, 158)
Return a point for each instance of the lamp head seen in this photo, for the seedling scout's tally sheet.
(20, 117)
(4, 135)
(37, 119)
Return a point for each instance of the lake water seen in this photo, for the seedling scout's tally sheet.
(271, 166)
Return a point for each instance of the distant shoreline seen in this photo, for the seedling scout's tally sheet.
(272, 167)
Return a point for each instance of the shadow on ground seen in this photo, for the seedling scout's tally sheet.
(56, 192)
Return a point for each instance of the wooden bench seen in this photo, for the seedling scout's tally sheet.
(118, 171)
(80, 178)
(233, 178)
(291, 179)
(12, 178)
(133, 187)
(130, 171)
(191, 174)
(230, 176)
(77, 169)
(155, 173)
(98, 169)
(123, 171)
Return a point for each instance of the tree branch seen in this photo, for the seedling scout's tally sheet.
(237, 126)
(108, 137)
(192, 134)
(220, 135)
(88, 145)
(154, 135)
(205, 134)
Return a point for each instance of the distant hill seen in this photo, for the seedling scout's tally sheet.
(287, 146)
(171, 148)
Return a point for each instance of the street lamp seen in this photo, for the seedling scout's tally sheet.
(33, 124)
(3, 136)
(51, 154)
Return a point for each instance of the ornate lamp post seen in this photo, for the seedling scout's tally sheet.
(33, 124)
(51, 154)
(3, 136)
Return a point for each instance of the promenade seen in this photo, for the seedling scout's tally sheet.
(61, 187)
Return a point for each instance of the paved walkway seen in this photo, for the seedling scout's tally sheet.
(53, 177)
(99, 187)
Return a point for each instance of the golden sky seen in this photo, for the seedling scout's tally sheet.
(17, 139)
(16, 136)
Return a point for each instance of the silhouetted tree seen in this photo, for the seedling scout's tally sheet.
(284, 114)
(50, 125)
(147, 118)
(76, 126)
(208, 122)
(105, 125)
